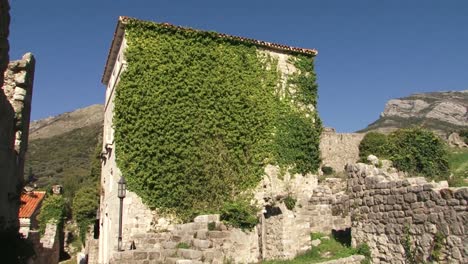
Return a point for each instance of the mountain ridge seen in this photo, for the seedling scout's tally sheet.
(442, 112)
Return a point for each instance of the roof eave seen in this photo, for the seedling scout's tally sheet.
(114, 50)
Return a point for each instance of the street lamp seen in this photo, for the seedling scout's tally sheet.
(121, 191)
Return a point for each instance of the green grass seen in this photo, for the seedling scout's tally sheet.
(458, 163)
(329, 249)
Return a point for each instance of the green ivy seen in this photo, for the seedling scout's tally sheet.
(197, 117)
(52, 210)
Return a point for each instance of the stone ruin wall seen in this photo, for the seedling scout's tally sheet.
(46, 247)
(385, 210)
(281, 233)
(330, 211)
(339, 149)
(15, 101)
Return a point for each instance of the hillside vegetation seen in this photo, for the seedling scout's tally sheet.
(62, 149)
(64, 159)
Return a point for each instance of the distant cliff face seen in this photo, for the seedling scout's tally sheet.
(442, 112)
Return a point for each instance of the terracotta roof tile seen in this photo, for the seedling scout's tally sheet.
(118, 34)
(29, 203)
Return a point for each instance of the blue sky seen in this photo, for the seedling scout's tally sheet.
(369, 51)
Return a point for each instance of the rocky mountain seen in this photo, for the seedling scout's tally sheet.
(443, 112)
(61, 148)
(66, 122)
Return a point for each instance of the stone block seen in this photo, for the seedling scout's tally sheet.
(391, 199)
(139, 255)
(154, 255)
(218, 234)
(461, 194)
(207, 218)
(410, 197)
(190, 253)
(453, 202)
(419, 218)
(201, 244)
(168, 252)
(169, 244)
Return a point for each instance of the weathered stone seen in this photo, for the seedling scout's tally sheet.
(154, 255)
(190, 253)
(201, 244)
(207, 218)
(140, 255)
(410, 197)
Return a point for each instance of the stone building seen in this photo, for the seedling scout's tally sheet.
(138, 219)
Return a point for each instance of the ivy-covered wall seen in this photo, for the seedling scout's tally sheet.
(197, 117)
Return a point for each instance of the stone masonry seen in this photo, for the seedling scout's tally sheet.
(339, 149)
(15, 106)
(387, 211)
(206, 240)
(46, 247)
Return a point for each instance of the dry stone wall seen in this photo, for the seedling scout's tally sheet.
(387, 212)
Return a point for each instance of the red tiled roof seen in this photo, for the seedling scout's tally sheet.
(29, 203)
(118, 34)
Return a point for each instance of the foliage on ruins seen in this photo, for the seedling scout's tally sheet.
(52, 210)
(85, 205)
(197, 117)
(414, 150)
(328, 249)
(239, 213)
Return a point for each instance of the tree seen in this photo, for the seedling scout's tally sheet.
(85, 205)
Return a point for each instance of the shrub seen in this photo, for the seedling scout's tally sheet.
(419, 151)
(290, 202)
(52, 210)
(240, 214)
(374, 143)
(327, 170)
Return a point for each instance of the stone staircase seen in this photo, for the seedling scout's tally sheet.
(186, 244)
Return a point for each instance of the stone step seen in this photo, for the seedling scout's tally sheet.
(191, 254)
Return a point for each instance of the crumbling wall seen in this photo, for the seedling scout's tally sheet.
(15, 108)
(284, 232)
(388, 213)
(47, 247)
(328, 211)
(339, 149)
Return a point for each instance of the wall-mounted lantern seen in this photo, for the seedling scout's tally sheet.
(121, 192)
